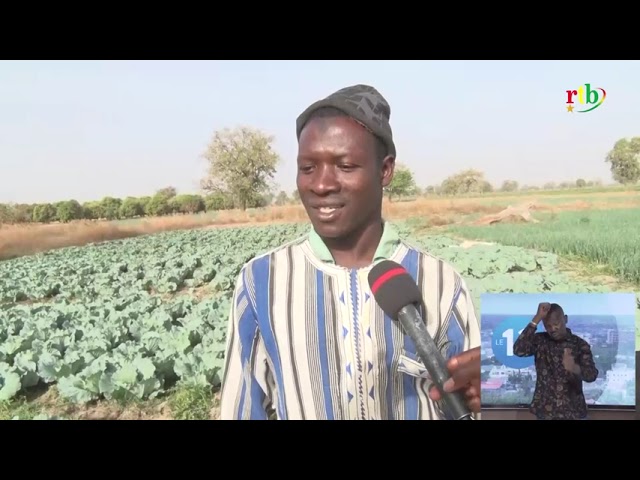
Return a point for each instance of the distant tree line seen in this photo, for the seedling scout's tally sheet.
(241, 166)
(165, 202)
(168, 202)
(469, 182)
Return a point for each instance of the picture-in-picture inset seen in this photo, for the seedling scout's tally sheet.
(558, 356)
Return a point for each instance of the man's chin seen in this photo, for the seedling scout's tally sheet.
(332, 231)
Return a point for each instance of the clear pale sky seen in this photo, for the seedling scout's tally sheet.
(88, 129)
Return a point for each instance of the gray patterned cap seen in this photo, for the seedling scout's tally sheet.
(364, 104)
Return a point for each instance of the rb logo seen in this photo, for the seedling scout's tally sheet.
(592, 98)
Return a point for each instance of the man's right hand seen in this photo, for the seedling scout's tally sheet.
(543, 309)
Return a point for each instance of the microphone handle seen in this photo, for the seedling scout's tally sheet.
(415, 327)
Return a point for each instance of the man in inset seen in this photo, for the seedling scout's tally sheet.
(563, 361)
(306, 339)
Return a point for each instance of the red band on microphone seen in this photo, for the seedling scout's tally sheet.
(385, 277)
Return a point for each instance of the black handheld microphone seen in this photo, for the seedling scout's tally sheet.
(397, 294)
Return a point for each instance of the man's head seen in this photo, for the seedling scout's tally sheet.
(555, 322)
(346, 156)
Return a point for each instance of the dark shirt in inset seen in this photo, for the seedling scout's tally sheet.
(558, 394)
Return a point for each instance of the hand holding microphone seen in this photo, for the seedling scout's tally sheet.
(397, 294)
(465, 374)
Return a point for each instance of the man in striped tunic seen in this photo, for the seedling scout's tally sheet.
(306, 339)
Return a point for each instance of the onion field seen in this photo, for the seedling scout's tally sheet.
(606, 237)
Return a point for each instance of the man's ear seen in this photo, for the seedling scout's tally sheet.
(566, 319)
(388, 167)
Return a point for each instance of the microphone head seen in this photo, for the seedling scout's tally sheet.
(393, 287)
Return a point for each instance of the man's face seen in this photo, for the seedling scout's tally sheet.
(339, 179)
(556, 325)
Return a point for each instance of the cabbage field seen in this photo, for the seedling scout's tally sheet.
(136, 318)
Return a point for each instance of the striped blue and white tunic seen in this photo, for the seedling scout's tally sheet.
(307, 341)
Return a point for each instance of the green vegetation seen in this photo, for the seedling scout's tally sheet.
(192, 403)
(137, 319)
(105, 321)
(624, 159)
(604, 237)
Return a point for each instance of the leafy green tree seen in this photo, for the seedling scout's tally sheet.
(69, 210)
(215, 202)
(7, 214)
(44, 213)
(158, 205)
(466, 182)
(132, 207)
(403, 182)
(624, 159)
(168, 192)
(188, 203)
(242, 164)
(110, 208)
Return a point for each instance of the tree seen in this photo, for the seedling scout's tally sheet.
(625, 161)
(6, 214)
(132, 207)
(158, 205)
(466, 182)
(242, 164)
(23, 213)
(509, 186)
(69, 210)
(217, 201)
(269, 198)
(91, 210)
(110, 208)
(402, 183)
(44, 213)
(167, 192)
(282, 198)
(187, 203)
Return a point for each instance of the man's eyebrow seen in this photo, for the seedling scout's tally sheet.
(312, 154)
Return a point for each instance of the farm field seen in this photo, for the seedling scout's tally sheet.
(135, 328)
(26, 239)
(608, 238)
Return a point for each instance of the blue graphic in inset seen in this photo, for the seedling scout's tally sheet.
(504, 336)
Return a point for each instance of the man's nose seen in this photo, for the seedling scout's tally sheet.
(325, 180)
